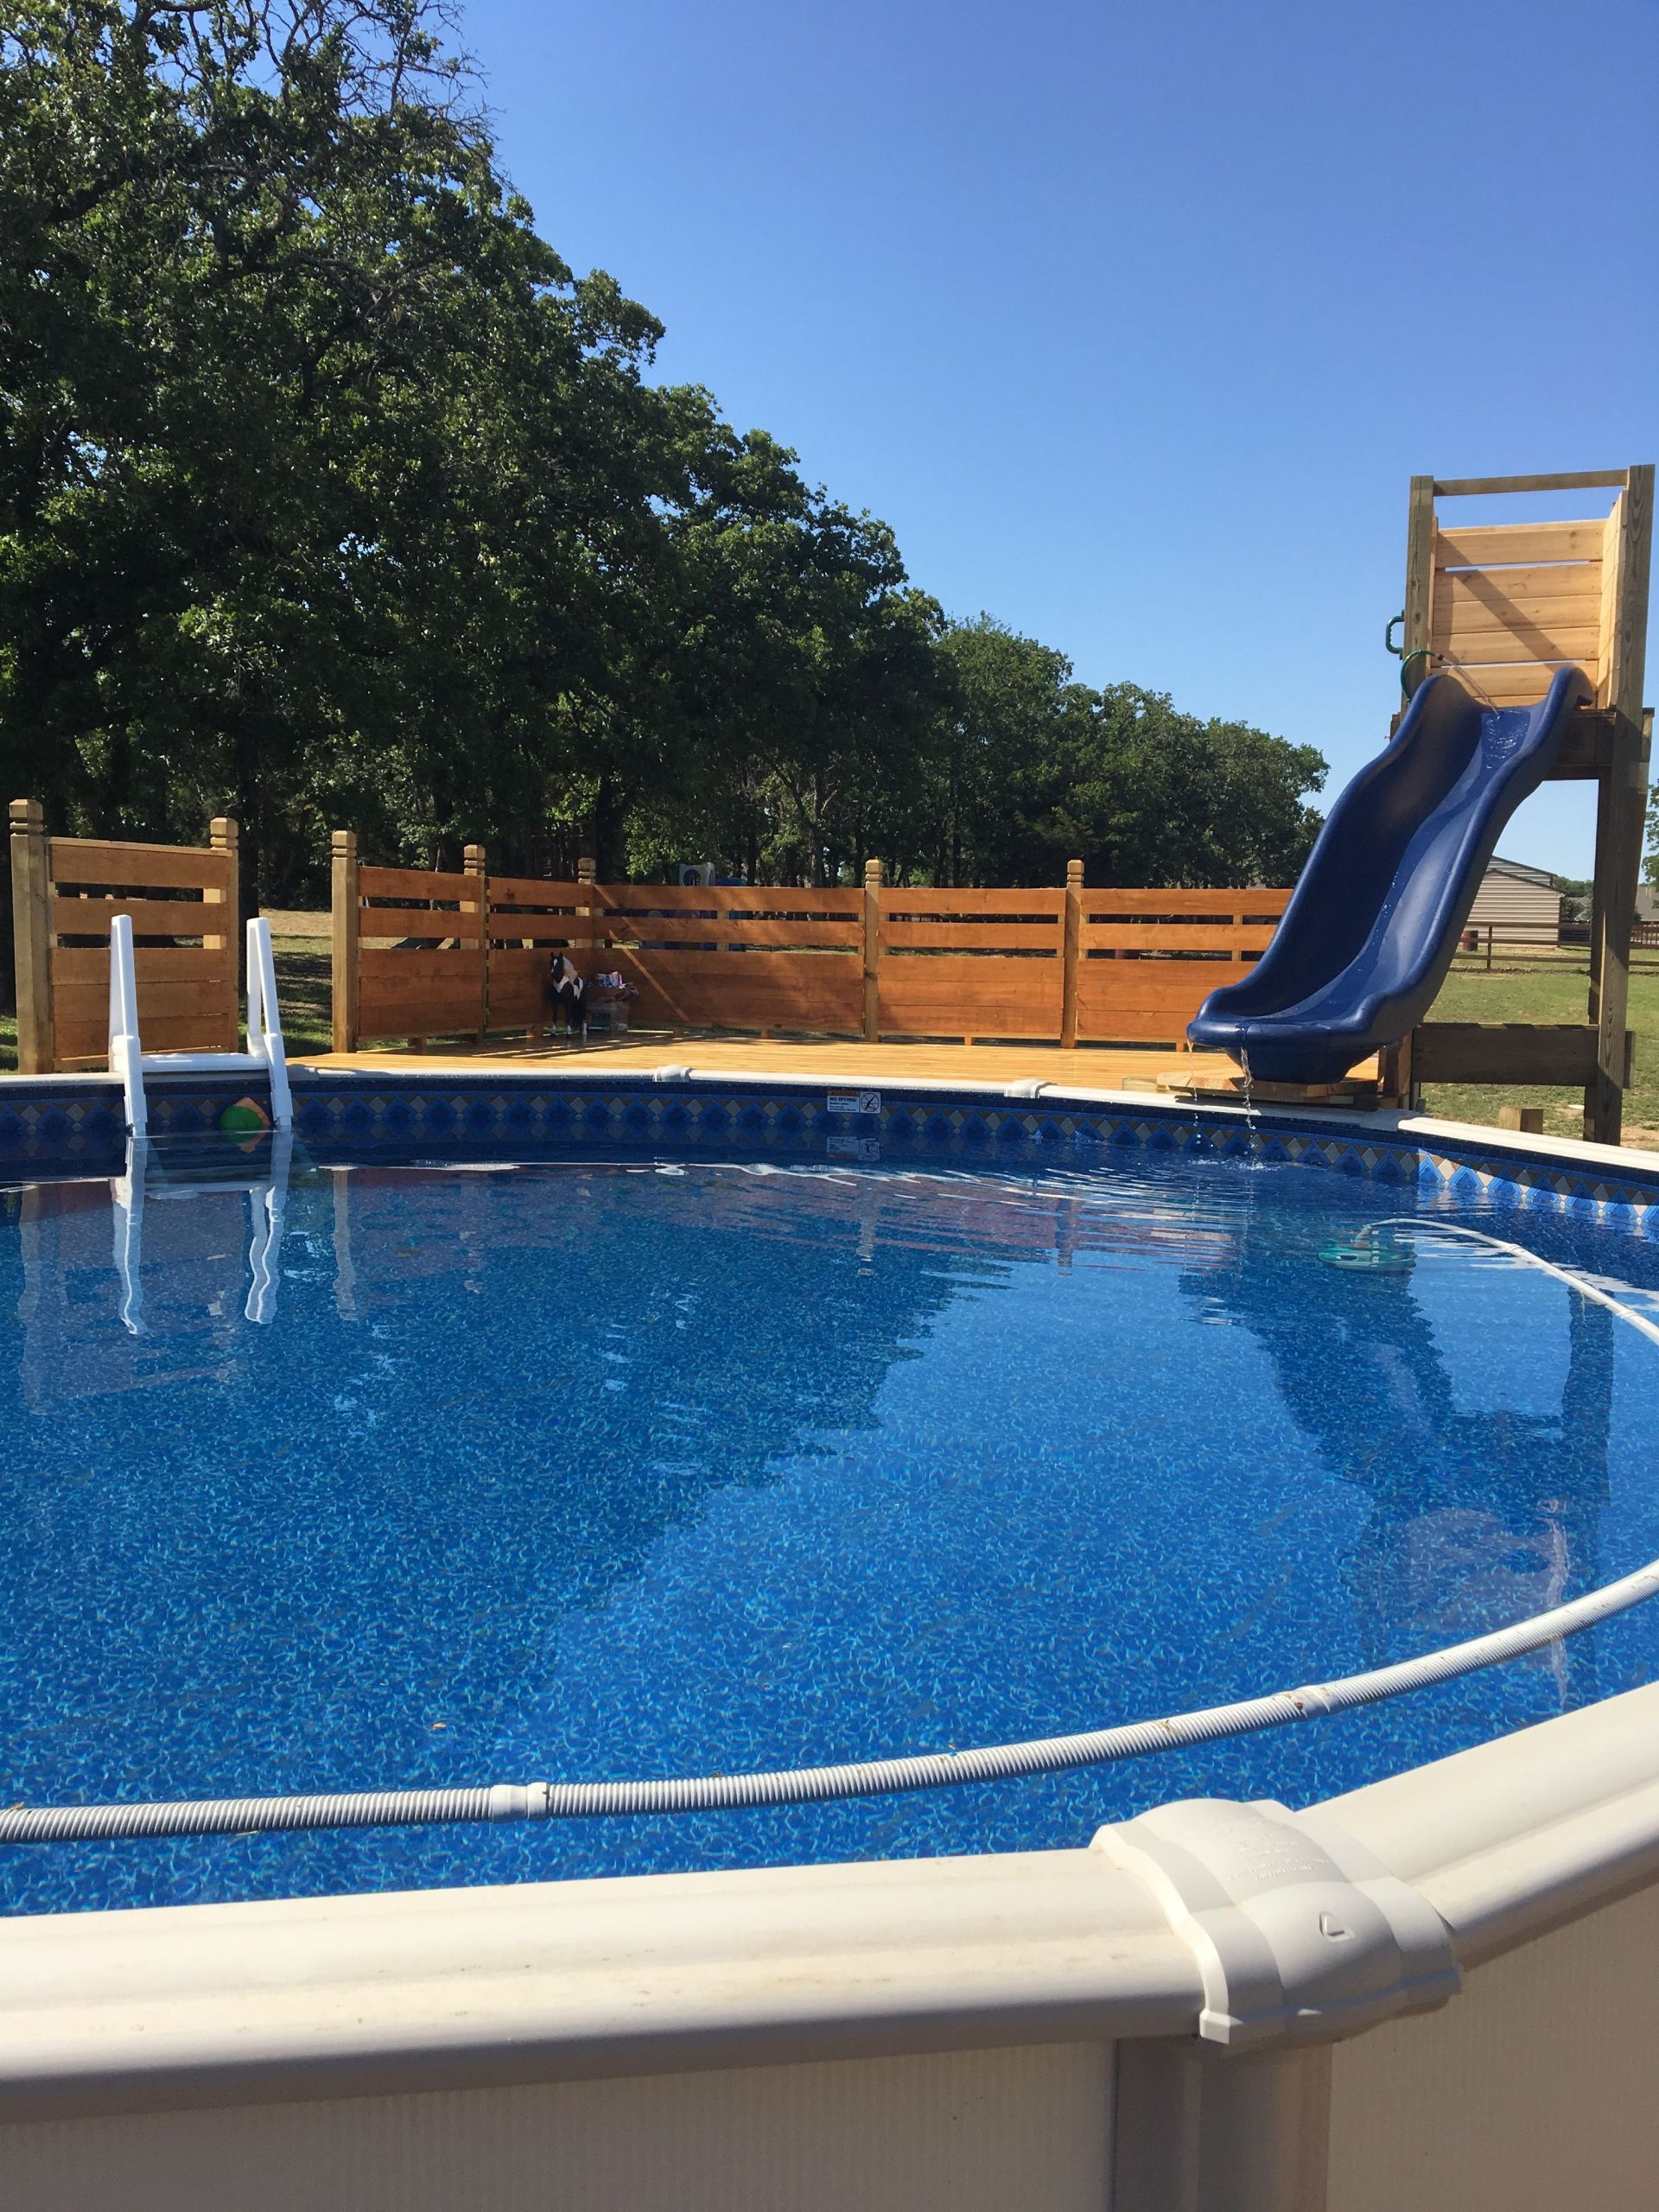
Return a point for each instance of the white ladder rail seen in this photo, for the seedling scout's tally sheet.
(266, 1050)
(267, 1202)
(265, 1021)
(126, 1055)
(127, 1221)
(266, 1190)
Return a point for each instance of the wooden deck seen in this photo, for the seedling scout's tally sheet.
(832, 1060)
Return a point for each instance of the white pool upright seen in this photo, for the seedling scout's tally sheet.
(129, 1060)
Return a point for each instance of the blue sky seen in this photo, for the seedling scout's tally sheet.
(1134, 322)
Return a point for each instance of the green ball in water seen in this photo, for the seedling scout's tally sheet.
(246, 1118)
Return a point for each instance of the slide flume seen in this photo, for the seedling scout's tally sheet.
(1374, 922)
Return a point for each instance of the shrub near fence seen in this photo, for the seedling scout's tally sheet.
(419, 954)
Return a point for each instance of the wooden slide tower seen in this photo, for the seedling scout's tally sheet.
(1502, 606)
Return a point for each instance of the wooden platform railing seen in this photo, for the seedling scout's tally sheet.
(65, 891)
(419, 954)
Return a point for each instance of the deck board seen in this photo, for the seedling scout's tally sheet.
(1097, 1068)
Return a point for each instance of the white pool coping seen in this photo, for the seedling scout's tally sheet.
(179, 2006)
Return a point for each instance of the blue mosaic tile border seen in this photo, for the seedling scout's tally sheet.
(82, 1128)
(602, 1112)
(46, 1128)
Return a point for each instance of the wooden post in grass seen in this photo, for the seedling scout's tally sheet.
(1072, 954)
(31, 922)
(1622, 794)
(872, 951)
(347, 927)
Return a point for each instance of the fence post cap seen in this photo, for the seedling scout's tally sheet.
(1074, 874)
(872, 874)
(28, 814)
(344, 843)
(223, 832)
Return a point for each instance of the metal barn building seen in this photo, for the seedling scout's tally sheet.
(1521, 904)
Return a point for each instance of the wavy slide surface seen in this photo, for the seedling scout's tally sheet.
(1373, 924)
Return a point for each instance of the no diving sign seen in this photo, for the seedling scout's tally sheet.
(854, 1102)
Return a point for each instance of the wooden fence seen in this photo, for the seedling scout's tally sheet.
(65, 891)
(738, 957)
(420, 954)
(1149, 959)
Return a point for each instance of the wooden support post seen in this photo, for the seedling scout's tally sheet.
(1620, 814)
(872, 951)
(347, 929)
(475, 863)
(1071, 953)
(1393, 1074)
(1420, 581)
(587, 940)
(587, 917)
(31, 922)
(1622, 806)
(224, 837)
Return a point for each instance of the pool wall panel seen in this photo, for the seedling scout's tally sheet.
(978, 2131)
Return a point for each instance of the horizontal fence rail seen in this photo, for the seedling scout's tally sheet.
(420, 953)
(971, 964)
(738, 958)
(183, 903)
(530, 920)
(1149, 959)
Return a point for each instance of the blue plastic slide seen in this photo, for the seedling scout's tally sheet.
(1371, 927)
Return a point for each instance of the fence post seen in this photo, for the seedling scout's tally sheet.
(224, 837)
(31, 922)
(475, 863)
(347, 927)
(1073, 943)
(586, 917)
(872, 951)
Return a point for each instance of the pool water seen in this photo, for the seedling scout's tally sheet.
(577, 1470)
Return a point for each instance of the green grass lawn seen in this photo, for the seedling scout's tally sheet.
(1547, 986)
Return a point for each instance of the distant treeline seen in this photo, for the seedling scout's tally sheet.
(331, 495)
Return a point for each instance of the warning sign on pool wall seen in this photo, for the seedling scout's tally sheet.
(854, 1102)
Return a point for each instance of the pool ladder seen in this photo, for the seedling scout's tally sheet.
(265, 1053)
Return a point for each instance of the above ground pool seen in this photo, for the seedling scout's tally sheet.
(349, 1472)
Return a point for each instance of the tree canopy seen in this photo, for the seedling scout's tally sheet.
(330, 493)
